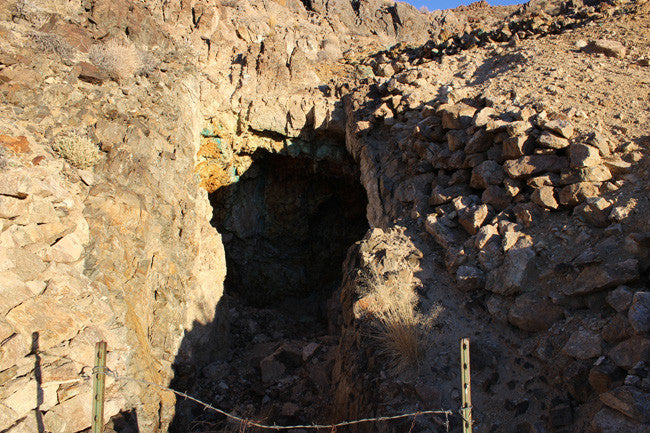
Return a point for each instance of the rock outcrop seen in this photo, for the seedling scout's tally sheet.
(503, 153)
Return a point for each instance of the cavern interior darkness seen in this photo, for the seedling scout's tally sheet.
(287, 224)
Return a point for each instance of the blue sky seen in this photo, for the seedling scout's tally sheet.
(448, 4)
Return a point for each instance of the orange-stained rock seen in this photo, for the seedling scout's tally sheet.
(15, 144)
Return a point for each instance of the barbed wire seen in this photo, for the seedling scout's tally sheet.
(249, 423)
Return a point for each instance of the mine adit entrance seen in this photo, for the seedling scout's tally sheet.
(287, 224)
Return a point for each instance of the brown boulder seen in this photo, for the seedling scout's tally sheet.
(533, 313)
(571, 195)
(606, 46)
(528, 166)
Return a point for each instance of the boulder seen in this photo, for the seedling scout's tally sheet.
(271, 369)
(576, 380)
(487, 233)
(629, 352)
(561, 127)
(531, 312)
(456, 116)
(439, 228)
(469, 278)
(595, 211)
(456, 139)
(602, 276)
(610, 421)
(483, 116)
(90, 73)
(606, 46)
(471, 218)
(583, 344)
(515, 147)
(545, 197)
(572, 195)
(639, 312)
(620, 298)
(480, 141)
(487, 173)
(528, 166)
(511, 277)
(630, 401)
(616, 329)
(519, 127)
(583, 155)
(602, 377)
(552, 141)
(496, 197)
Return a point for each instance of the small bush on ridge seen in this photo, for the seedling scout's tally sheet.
(77, 149)
(121, 60)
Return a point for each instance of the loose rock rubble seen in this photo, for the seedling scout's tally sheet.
(503, 152)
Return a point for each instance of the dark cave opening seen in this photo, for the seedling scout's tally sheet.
(286, 226)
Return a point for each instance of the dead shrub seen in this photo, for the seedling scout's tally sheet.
(51, 43)
(396, 324)
(121, 60)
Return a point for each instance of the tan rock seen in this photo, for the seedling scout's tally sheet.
(67, 250)
(606, 46)
(552, 141)
(571, 195)
(515, 147)
(39, 211)
(11, 207)
(55, 318)
(74, 414)
(471, 218)
(583, 155)
(13, 291)
(545, 196)
(14, 349)
(487, 233)
(21, 395)
(15, 184)
(483, 116)
(456, 116)
(519, 127)
(560, 126)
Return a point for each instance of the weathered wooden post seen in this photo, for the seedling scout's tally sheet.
(99, 378)
(466, 391)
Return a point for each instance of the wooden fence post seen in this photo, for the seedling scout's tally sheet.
(99, 377)
(466, 391)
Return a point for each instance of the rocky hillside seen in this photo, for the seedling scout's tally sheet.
(150, 151)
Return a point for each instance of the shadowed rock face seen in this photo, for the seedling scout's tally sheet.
(287, 224)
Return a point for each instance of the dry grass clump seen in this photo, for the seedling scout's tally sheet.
(51, 43)
(401, 330)
(77, 149)
(121, 60)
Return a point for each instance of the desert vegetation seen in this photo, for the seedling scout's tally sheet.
(77, 149)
